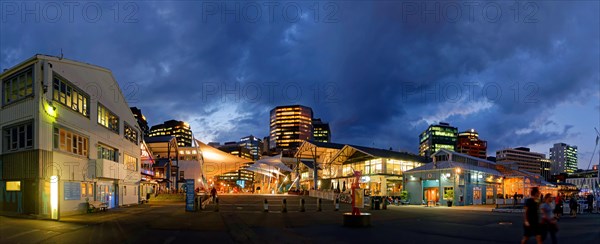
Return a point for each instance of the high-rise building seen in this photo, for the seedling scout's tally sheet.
(545, 168)
(469, 143)
(253, 144)
(181, 130)
(236, 149)
(564, 158)
(241, 177)
(321, 131)
(289, 127)
(265, 149)
(437, 137)
(525, 159)
(141, 120)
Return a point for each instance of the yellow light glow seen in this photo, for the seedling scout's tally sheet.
(50, 110)
(458, 170)
(13, 186)
(54, 196)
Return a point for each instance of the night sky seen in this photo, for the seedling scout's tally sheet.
(380, 72)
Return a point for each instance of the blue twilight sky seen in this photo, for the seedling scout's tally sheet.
(521, 73)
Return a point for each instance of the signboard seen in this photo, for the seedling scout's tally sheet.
(189, 195)
(359, 198)
(72, 190)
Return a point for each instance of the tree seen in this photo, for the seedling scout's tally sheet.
(404, 195)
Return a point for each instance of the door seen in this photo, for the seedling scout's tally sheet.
(431, 196)
(476, 195)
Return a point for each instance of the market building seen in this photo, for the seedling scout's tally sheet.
(468, 180)
(382, 170)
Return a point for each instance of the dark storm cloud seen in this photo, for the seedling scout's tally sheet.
(373, 70)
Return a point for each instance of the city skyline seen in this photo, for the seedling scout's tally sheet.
(539, 88)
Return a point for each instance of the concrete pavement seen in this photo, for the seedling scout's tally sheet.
(241, 220)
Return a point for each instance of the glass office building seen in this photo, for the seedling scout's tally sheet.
(289, 127)
(436, 137)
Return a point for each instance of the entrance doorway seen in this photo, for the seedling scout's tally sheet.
(477, 195)
(431, 195)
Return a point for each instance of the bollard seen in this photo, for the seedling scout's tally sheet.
(284, 206)
(266, 206)
(302, 209)
(319, 205)
(337, 204)
(199, 203)
(217, 204)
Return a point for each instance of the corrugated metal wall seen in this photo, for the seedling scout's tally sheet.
(20, 165)
(26, 165)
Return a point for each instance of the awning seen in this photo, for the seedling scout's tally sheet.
(217, 162)
(275, 162)
(264, 169)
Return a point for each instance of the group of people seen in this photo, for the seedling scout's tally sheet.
(534, 224)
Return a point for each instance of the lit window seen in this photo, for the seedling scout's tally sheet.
(108, 153)
(71, 142)
(18, 86)
(108, 119)
(130, 134)
(18, 137)
(68, 95)
(13, 186)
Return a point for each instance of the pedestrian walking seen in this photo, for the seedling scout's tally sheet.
(573, 206)
(531, 223)
(548, 223)
(558, 208)
(213, 194)
(590, 202)
(515, 200)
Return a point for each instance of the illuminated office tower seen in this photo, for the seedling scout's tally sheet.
(181, 130)
(437, 137)
(289, 127)
(253, 144)
(321, 131)
(469, 143)
(524, 158)
(564, 158)
(141, 119)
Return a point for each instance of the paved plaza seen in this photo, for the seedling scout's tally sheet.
(241, 220)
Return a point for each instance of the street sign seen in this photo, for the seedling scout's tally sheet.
(189, 195)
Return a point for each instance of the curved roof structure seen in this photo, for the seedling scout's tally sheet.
(216, 162)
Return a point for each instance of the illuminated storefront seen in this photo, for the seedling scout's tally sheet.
(382, 170)
(473, 181)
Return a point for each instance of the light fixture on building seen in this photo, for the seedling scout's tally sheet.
(50, 108)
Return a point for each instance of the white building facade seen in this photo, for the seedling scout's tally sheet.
(68, 137)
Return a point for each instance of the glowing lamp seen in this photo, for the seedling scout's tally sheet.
(50, 109)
